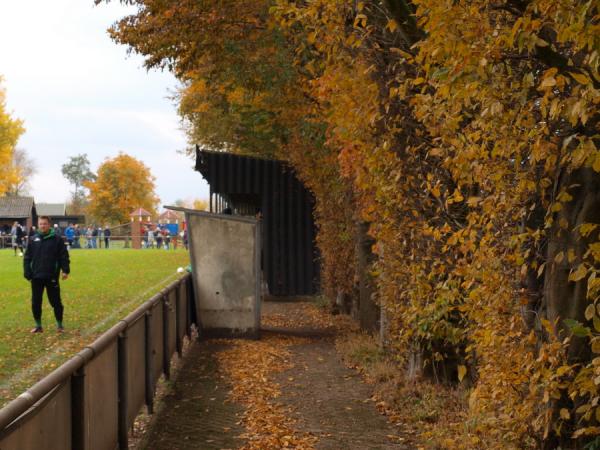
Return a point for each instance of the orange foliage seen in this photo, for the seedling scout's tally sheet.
(122, 185)
(466, 134)
(10, 131)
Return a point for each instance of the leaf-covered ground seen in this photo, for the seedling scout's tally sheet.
(103, 287)
(289, 389)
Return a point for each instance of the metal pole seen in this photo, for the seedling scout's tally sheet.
(178, 337)
(78, 409)
(148, 365)
(188, 306)
(166, 356)
(123, 400)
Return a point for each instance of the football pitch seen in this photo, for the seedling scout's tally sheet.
(104, 286)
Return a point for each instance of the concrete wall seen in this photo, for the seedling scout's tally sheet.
(225, 253)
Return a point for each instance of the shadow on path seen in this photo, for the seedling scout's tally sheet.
(194, 413)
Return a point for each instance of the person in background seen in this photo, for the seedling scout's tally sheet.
(94, 237)
(150, 238)
(46, 256)
(167, 239)
(20, 233)
(88, 237)
(31, 233)
(70, 235)
(76, 236)
(107, 234)
(13, 237)
(159, 238)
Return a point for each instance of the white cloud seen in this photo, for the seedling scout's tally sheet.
(78, 92)
(49, 188)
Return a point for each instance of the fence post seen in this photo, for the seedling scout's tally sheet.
(188, 315)
(178, 337)
(122, 383)
(78, 409)
(148, 365)
(166, 356)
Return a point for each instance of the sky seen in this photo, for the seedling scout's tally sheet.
(79, 92)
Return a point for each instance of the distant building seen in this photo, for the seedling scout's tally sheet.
(15, 208)
(58, 214)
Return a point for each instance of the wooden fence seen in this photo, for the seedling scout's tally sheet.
(91, 401)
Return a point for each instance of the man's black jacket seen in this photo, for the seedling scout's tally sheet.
(45, 257)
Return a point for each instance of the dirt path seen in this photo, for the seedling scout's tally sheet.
(331, 402)
(195, 413)
(325, 405)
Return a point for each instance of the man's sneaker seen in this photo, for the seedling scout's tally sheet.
(37, 330)
(60, 329)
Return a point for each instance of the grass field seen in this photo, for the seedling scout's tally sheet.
(103, 287)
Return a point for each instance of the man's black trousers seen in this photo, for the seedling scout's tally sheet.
(53, 291)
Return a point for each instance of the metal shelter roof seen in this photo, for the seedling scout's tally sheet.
(51, 209)
(245, 185)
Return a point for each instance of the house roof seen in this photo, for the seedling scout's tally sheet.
(16, 207)
(140, 212)
(51, 209)
(170, 215)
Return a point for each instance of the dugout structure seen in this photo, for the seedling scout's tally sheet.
(225, 257)
(268, 190)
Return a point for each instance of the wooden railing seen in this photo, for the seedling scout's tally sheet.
(91, 401)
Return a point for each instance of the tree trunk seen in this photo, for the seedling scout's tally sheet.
(368, 313)
(564, 299)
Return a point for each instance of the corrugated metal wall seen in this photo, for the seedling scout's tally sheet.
(248, 185)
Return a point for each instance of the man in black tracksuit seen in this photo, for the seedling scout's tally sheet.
(46, 256)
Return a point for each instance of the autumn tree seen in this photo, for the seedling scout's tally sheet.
(200, 204)
(241, 92)
(77, 172)
(10, 131)
(24, 168)
(123, 184)
(464, 137)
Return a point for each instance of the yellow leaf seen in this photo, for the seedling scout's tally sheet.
(590, 311)
(586, 228)
(548, 82)
(541, 270)
(596, 322)
(472, 201)
(462, 371)
(580, 273)
(580, 78)
(564, 414)
(360, 20)
(392, 25)
(596, 164)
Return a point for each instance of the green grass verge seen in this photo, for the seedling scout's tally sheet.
(104, 286)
